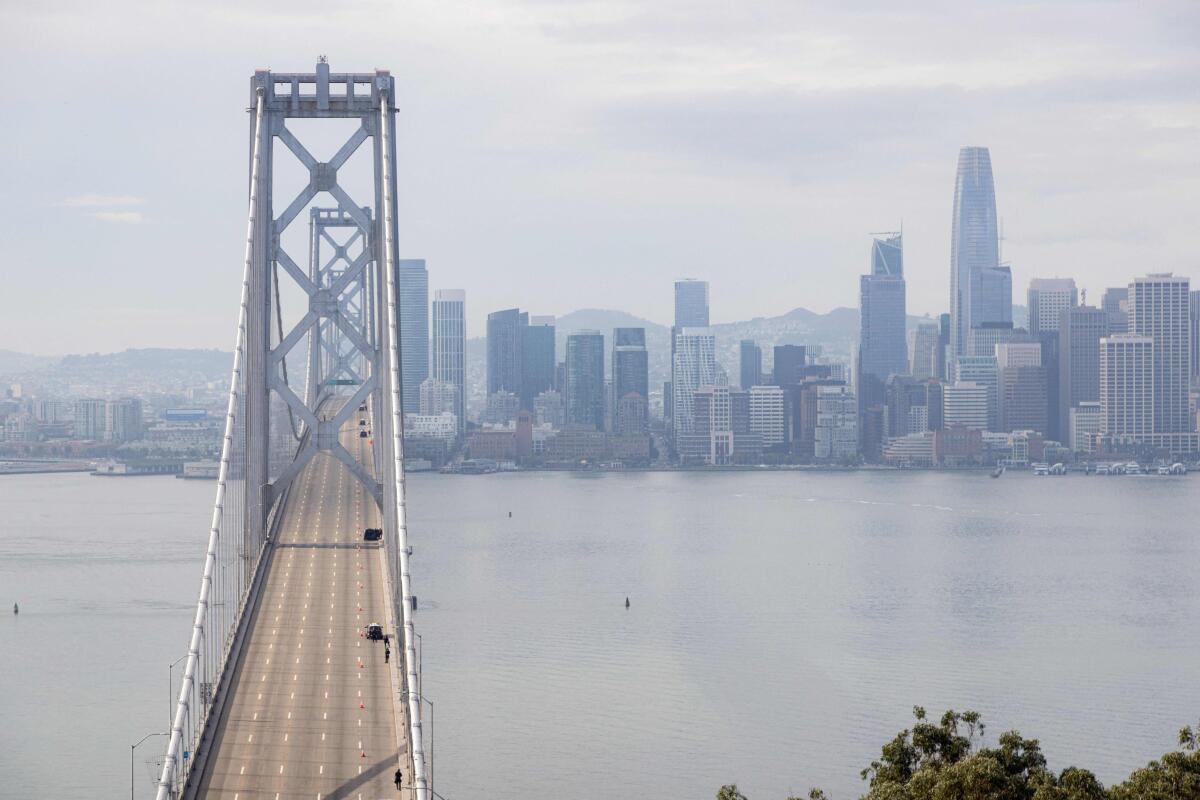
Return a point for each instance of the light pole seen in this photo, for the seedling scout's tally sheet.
(133, 747)
(171, 690)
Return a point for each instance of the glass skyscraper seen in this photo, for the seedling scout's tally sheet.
(504, 345)
(585, 379)
(630, 367)
(537, 359)
(412, 282)
(976, 280)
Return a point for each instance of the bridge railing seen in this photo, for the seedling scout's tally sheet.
(232, 557)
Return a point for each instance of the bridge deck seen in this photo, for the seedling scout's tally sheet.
(293, 726)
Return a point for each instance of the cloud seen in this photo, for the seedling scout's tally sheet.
(101, 201)
(119, 217)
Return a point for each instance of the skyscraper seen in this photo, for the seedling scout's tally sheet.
(924, 358)
(1047, 299)
(750, 363)
(449, 341)
(504, 345)
(630, 372)
(1116, 304)
(767, 415)
(691, 303)
(1194, 307)
(1079, 333)
(1127, 386)
(974, 245)
(1159, 307)
(537, 359)
(695, 365)
(585, 379)
(412, 282)
(882, 343)
(981, 371)
(1021, 391)
(788, 363)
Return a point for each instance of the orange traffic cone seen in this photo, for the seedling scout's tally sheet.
(360, 705)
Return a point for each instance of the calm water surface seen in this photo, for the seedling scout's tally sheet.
(782, 624)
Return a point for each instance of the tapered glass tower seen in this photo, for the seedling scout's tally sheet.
(975, 273)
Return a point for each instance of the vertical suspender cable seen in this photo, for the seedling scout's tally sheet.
(184, 716)
(396, 408)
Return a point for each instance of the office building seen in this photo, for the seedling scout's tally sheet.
(882, 344)
(448, 350)
(691, 303)
(1194, 308)
(90, 422)
(438, 397)
(1160, 308)
(788, 364)
(836, 434)
(630, 376)
(982, 339)
(1079, 333)
(1116, 304)
(1086, 420)
(981, 371)
(412, 289)
(549, 409)
(585, 379)
(943, 351)
(750, 363)
(537, 359)
(912, 405)
(992, 299)
(1127, 386)
(1021, 390)
(974, 246)
(1048, 298)
(924, 351)
(767, 415)
(123, 420)
(695, 365)
(966, 403)
(504, 348)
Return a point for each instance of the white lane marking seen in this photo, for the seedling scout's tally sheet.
(250, 738)
(243, 772)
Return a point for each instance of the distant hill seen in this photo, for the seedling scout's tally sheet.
(152, 359)
(11, 361)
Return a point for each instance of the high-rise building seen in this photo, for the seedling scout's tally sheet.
(992, 298)
(789, 361)
(438, 397)
(1194, 307)
(974, 246)
(550, 409)
(983, 372)
(1080, 330)
(924, 358)
(504, 347)
(123, 420)
(1127, 386)
(1021, 391)
(982, 339)
(1086, 419)
(767, 415)
(836, 434)
(412, 287)
(537, 359)
(1116, 304)
(691, 303)
(1160, 307)
(630, 374)
(965, 403)
(750, 363)
(695, 365)
(449, 343)
(943, 351)
(1047, 299)
(90, 420)
(585, 379)
(882, 341)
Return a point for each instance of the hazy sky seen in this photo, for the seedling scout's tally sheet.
(560, 155)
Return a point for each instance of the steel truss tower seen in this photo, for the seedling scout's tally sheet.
(350, 326)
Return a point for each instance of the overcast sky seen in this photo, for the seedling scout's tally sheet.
(559, 155)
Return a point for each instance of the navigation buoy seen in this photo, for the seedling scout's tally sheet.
(16, 609)
(627, 602)
(510, 514)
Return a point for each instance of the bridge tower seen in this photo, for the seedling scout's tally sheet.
(295, 384)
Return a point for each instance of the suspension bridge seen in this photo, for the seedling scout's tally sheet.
(283, 694)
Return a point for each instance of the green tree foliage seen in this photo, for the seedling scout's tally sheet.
(946, 760)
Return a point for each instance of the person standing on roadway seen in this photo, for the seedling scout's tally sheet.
(399, 779)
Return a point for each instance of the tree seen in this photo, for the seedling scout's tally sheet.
(730, 792)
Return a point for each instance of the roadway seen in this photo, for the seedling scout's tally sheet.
(311, 712)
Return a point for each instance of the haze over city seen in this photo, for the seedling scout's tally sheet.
(572, 155)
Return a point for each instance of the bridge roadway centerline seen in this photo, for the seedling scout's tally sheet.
(293, 726)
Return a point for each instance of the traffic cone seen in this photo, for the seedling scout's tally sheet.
(360, 705)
